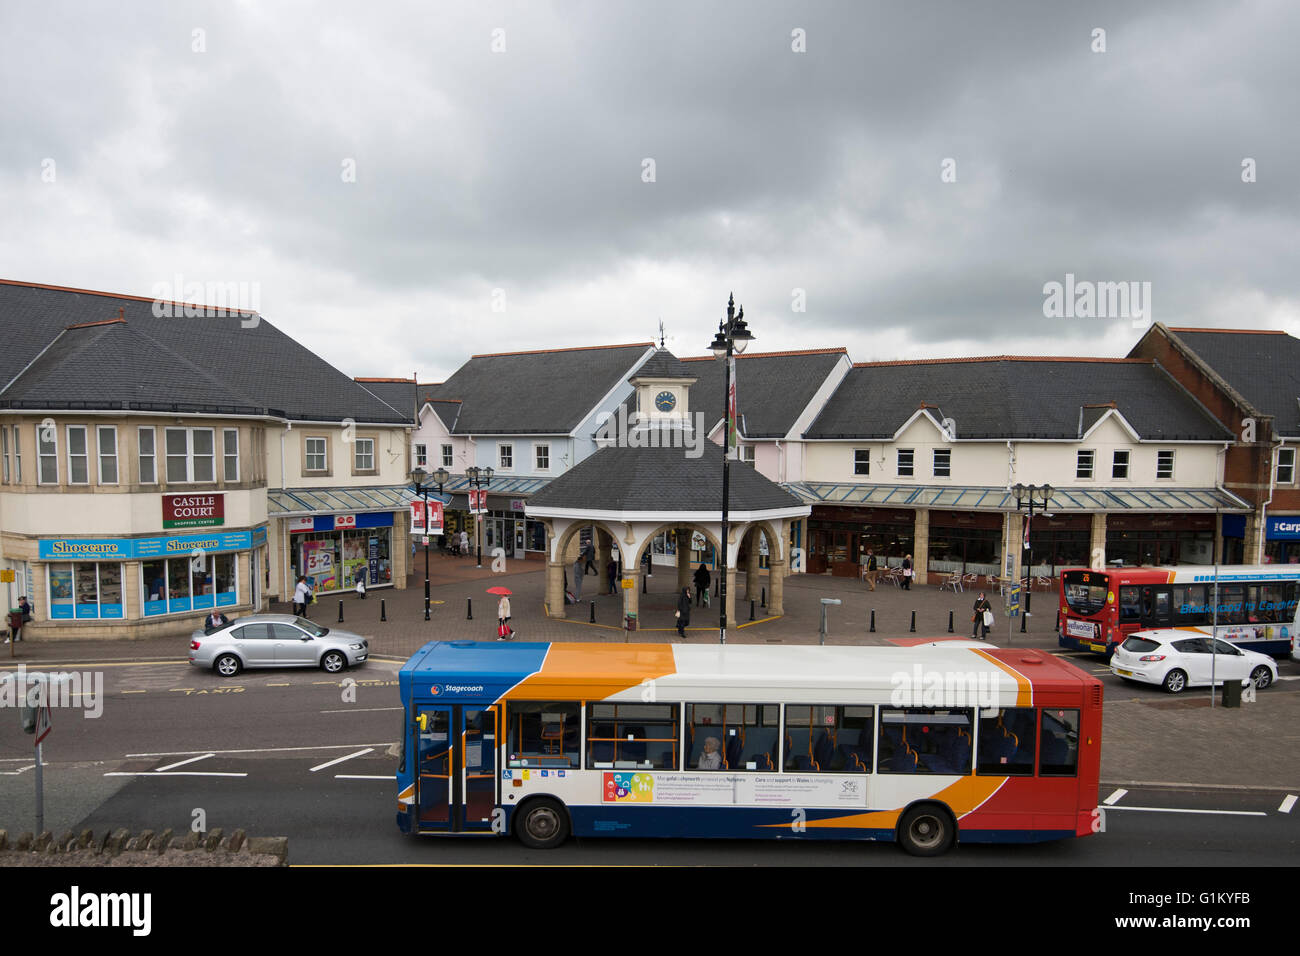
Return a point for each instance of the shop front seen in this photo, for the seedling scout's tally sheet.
(335, 552)
(120, 580)
(965, 542)
(839, 538)
(1281, 539)
(1158, 540)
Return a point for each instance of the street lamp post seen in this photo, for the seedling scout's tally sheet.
(439, 477)
(732, 338)
(1029, 494)
(480, 478)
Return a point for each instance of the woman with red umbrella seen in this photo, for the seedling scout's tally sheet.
(504, 631)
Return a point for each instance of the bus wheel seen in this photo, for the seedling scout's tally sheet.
(542, 824)
(1175, 681)
(926, 830)
(1261, 677)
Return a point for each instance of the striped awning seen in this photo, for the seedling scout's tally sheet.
(1065, 500)
(326, 501)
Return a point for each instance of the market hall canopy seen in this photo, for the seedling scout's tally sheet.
(1067, 500)
(325, 501)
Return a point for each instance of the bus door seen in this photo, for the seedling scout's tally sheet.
(456, 789)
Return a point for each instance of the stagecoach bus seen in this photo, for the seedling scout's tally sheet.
(1255, 606)
(923, 745)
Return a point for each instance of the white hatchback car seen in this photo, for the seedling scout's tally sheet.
(1180, 659)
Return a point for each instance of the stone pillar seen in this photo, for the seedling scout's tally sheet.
(1252, 551)
(1013, 525)
(1097, 546)
(751, 567)
(602, 555)
(555, 589)
(731, 600)
(683, 559)
(132, 608)
(775, 587)
(921, 546)
(632, 595)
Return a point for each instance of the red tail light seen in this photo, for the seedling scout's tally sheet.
(194, 645)
(1152, 657)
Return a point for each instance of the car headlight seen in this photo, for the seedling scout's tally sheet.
(355, 647)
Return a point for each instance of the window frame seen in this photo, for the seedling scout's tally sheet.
(1115, 465)
(101, 457)
(911, 462)
(85, 453)
(4, 450)
(1086, 472)
(357, 467)
(448, 455)
(421, 453)
(191, 455)
(140, 456)
(1290, 466)
(947, 466)
(18, 454)
(1161, 453)
(542, 456)
(324, 472)
(506, 456)
(862, 461)
(226, 456)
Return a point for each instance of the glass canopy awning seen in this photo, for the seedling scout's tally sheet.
(322, 501)
(1000, 499)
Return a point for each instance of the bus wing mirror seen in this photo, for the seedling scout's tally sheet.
(422, 722)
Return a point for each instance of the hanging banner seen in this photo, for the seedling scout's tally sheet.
(435, 518)
(417, 517)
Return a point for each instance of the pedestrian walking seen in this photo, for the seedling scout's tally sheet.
(702, 582)
(464, 542)
(683, 612)
(589, 556)
(983, 617)
(872, 569)
(611, 572)
(301, 597)
(907, 573)
(504, 631)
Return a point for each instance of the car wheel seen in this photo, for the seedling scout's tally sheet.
(926, 830)
(1175, 681)
(542, 824)
(333, 662)
(1261, 677)
(227, 665)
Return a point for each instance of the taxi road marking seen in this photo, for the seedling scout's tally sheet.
(182, 763)
(1287, 804)
(330, 763)
(1226, 813)
(358, 776)
(14, 773)
(1115, 797)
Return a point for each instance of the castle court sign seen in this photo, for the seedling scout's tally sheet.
(193, 511)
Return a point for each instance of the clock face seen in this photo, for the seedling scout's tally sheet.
(665, 401)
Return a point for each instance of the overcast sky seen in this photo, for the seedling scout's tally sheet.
(500, 199)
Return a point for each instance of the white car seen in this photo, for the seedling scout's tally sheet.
(1180, 659)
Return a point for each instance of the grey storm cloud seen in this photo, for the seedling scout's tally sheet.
(775, 170)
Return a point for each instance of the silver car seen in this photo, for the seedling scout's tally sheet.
(276, 640)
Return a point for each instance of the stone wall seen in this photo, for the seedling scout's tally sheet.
(146, 848)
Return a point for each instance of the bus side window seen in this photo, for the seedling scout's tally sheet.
(1130, 607)
(1163, 613)
(1148, 605)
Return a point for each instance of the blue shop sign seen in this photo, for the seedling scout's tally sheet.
(1283, 528)
(126, 549)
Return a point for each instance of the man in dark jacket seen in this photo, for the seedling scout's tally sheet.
(683, 612)
(981, 605)
(702, 582)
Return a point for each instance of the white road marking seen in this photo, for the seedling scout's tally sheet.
(1226, 813)
(172, 766)
(1290, 677)
(14, 773)
(359, 776)
(260, 750)
(178, 773)
(358, 710)
(331, 763)
(1115, 797)
(1287, 804)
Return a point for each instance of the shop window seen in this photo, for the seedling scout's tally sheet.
(198, 582)
(147, 456)
(317, 457)
(824, 739)
(506, 456)
(78, 456)
(745, 736)
(230, 453)
(1083, 466)
(363, 457)
(1164, 464)
(862, 461)
(421, 456)
(545, 734)
(190, 455)
(632, 736)
(1286, 466)
(106, 436)
(1006, 746)
(543, 456)
(446, 456)
(943, 463)
(85, 591)
(1119, 465)
(905, 462)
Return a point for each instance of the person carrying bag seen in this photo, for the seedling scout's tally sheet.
(983, 617)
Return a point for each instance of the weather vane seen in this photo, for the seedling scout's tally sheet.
(661, 333)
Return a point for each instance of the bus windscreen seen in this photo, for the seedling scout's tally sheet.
(1085, 591)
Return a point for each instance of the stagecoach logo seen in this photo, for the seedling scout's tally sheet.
(433, 690)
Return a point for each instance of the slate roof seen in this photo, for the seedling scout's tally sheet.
(662, 364)
(1264, 367)
(397, 393)
(1008, 397)
(204, 364)
(542, 392)
(772, 389)
(660, 479)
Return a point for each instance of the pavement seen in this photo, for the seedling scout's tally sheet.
(1149, 736)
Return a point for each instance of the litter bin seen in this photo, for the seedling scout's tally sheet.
(631, 622)
(1232, 693)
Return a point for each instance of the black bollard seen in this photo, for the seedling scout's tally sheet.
(763, 595)
(383, 610)
(469, 609)
(751, 609)
(340, 612)
(913, 627)
(593, 612)
(643, 585)
(1024, 619)
(872, 629)
(950, 622)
